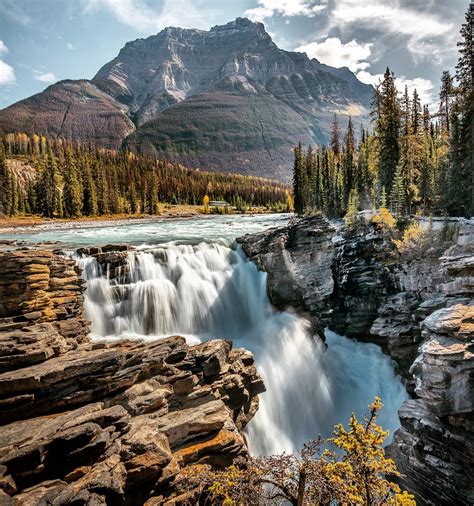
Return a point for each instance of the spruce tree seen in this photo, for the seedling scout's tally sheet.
(398, 194)
(445, 98)
(72, 192)
(348, 164)
(387, 128)
(335, 137)
(89, 192)
(465, 110)
(297, 180)
(48, 191)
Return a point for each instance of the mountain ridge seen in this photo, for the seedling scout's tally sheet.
(152, 96)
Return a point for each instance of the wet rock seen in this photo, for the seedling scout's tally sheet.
(420, 310)
(297, 260)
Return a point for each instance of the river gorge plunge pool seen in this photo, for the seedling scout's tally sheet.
(189, 277)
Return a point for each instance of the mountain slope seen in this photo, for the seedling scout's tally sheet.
(225, 99)
(72, 109)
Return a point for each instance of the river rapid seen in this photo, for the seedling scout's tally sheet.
(189, 277)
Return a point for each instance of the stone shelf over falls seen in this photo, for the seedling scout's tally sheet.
(101, 422)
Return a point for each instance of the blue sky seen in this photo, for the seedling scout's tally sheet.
(43, 41)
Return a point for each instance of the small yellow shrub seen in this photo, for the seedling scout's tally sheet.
(414, 241)
(385, 221)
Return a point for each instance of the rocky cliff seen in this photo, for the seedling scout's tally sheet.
(106, 423)
(419, 309)
(226, 99)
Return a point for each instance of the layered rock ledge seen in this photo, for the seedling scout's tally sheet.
(106, 423)
(419, 309)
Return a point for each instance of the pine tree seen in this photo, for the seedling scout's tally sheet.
(465, 109)
(48, 191)
(6, 185)
(298, 180)
(416, 114)
(398, 194)
(72, 191)
(335, 137)
(351, 216)
(445, 98)
(89, 192)
(387, 128)
(348, 163)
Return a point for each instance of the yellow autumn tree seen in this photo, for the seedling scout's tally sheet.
(205, 203)
(385, 221)
(413, 242)
(358, 472)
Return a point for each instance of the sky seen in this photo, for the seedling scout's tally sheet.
(44, 41)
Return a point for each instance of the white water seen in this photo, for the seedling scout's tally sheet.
(212, 290)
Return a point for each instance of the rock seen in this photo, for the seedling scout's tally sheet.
(298, 261)
(102, 423)
(435, 446)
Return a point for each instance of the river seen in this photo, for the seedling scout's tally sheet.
(189, 277)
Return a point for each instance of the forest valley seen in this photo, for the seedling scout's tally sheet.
(71, 180)
(412, 161)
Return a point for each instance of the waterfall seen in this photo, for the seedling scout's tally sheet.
(212, 290)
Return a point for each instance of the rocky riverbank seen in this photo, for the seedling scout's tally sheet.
(93, 422)
(419, 309)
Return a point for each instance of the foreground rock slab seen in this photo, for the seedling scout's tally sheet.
(106, 423)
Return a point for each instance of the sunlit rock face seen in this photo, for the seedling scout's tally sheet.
(225, 99)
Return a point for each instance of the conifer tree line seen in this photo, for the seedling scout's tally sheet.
(73, 180)
(411, 162)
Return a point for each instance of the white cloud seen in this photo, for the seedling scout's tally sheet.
(423, 30)
(336, 54)
(267, 8)
(144, 18)
(44, 77)
(3, 48)
(7, 72)
(424, 87)
(69, 46)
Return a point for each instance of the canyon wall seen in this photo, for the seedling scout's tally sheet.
(106, 423)
(419, 308)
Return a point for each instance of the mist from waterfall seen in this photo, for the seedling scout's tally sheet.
(212, 290)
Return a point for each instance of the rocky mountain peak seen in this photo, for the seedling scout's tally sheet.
(224, 99)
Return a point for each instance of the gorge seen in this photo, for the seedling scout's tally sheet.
(157, 404)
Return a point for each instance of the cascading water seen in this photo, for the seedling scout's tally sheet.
(213, 291)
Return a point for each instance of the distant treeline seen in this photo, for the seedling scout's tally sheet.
(412, 161)
(72, 180)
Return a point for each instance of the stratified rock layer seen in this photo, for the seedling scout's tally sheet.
(104, 423)
(434, 448)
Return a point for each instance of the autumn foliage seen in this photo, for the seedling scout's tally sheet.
(349, 468)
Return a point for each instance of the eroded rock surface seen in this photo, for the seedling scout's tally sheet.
(106, 423)
(435, 445)
(298, 261)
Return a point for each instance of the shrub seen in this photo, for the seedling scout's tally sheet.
(414, 241)
(385, 221)
(357, 473)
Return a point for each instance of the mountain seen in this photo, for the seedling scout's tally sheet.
(227, 99)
